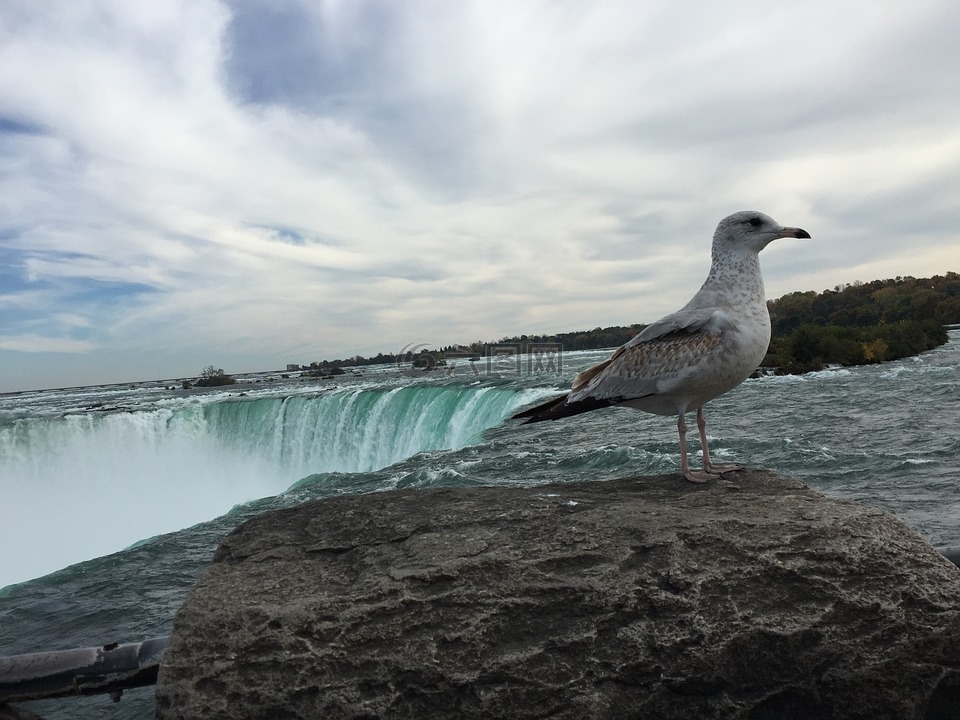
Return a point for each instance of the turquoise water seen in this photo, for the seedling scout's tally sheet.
(119, 506)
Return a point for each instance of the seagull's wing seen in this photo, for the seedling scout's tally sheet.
(663, 350)
(694, 320)
(652, 362)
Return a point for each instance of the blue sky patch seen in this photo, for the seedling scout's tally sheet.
(12, 126)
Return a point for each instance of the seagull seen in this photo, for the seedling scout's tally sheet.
(684, 360)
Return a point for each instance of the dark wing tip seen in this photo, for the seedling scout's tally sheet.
(558, 407)
(532, 414)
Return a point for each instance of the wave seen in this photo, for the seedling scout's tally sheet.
(830, 374)
(899, 371)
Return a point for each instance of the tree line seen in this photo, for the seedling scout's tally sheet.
(852, 324)
(862, 323)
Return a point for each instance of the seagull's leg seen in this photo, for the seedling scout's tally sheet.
(694, 476)
(707, 465)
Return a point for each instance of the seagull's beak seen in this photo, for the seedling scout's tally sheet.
(792, 232)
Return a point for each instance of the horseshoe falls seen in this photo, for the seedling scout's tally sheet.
(90, 481)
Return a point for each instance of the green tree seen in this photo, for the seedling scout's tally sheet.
(214, 377)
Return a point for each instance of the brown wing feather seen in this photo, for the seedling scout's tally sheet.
(591, 372)
(632, 371)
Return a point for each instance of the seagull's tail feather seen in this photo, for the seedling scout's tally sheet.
(558, 407)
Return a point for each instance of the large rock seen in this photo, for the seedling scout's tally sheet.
(753, 597)
(14, 712)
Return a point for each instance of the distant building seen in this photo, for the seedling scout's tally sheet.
(292, 367)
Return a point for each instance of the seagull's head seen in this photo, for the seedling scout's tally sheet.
(750, 230)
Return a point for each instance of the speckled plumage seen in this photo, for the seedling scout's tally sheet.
(684, 360)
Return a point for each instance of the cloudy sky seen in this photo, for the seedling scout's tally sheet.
(249, 183)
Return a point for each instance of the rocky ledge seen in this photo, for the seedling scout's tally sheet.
(753, 597)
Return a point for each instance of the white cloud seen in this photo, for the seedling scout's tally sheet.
(252, 181)
(39, 344)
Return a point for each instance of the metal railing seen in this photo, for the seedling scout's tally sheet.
(109, 669)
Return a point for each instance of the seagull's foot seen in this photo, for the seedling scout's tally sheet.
(721, 469)
(700, 477)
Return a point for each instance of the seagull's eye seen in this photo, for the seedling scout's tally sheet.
(755, 222)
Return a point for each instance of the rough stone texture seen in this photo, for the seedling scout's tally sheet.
(753, 597)
(15, 712)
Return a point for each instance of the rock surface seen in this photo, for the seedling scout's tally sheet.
(15, 712)
(751, 597)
